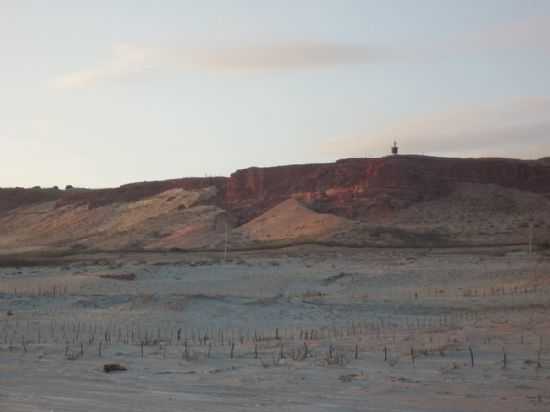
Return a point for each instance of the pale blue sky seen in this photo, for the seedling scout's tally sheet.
(107, 92)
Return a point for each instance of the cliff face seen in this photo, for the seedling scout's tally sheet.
(362, 188)
(353, 188)
(398, 200)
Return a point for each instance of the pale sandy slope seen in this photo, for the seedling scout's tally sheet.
(143, 224)
(291, 220)
(472, 214)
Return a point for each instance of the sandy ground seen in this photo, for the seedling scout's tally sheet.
(472, 214)
(297, 329)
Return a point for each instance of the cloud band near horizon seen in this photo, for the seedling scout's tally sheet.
(126, 60)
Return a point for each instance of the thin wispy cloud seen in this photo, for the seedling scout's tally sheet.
(519, 127)
(128, 60)
(283, 56)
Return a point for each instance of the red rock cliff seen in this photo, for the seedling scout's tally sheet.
(355, 188)
(358, 188)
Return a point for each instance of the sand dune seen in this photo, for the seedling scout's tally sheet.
(290, 220)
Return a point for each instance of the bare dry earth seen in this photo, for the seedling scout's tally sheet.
(173, 218)
(186, 219)
(333, 300)
(292, 221)
(476, 213)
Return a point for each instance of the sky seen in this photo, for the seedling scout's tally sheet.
(102, 93)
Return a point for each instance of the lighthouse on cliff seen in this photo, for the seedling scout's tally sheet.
(394, 148)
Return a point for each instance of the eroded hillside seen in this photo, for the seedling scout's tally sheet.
(392, 201)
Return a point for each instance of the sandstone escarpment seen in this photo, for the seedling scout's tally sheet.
(368, 188)
(397, 200)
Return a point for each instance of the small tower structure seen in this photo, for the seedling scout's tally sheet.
(395, 148)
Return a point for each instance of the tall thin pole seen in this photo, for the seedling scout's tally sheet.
(530, 238)
(226, 240)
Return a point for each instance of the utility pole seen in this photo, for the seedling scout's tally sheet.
(226, 241)
(530, 238)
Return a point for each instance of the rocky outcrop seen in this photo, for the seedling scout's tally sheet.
(397, 200)
(360, 188)
(365, 188)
